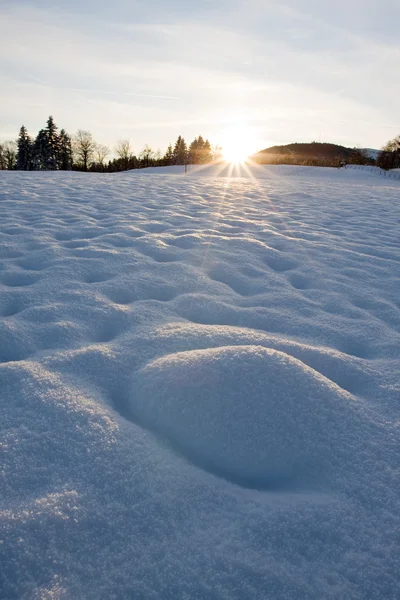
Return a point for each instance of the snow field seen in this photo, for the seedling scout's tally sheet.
(199, 384)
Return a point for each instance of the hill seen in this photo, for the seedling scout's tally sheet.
(311, 153)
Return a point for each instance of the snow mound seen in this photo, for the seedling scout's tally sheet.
(251, 414)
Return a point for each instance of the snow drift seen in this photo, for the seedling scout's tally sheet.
(251, 414)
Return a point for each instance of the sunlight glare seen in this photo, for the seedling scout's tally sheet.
(238, 144)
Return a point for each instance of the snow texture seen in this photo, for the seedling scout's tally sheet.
(199, 382)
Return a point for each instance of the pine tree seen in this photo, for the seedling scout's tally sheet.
(41, 151)
(25, 151)
(180, 151)
(168, 158)
(53, 143)
(64, 159)
(200, 151)
(207, 154)
(46, 148)
(194, 152)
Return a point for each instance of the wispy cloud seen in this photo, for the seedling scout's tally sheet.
(96, 91)
(295, 72)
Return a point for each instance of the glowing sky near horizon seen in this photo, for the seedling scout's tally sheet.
(292, 71)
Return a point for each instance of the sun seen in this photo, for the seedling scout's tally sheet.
(238, 144)
(235, 154)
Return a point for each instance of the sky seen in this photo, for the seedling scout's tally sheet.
(295, 71)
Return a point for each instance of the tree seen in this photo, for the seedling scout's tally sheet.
(146, 155)
(180, 153)
(64, 151)
(124, 152)
(10, 154)
(3, 163)
(24, 161)
(101, 151)
(41, 150)
(392, 145)
(194, 152)
(46, 148)
(53, 145)
(200, 151)
(389, 156)
(84, 147)
(157, 157)
(207, 155)
(168, 158)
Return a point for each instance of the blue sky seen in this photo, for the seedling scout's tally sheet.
(148, 71)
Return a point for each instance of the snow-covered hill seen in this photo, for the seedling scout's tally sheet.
(199, 385)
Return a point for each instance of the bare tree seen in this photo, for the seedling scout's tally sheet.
(84, 147)
(158, 156)
(393, 145)
(124, 152)
(101, 151)
(146, 155)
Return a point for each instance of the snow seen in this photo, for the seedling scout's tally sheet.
(252, 442)
(199, 383)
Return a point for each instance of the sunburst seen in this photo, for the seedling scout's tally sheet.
(238, 144)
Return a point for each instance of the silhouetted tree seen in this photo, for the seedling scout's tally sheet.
(53, 146)
(169, 158)
(180, 151)
(124, 152)
(41, 151)
(389, 156)
(84, 147)
(101, 151)
(24, 160)
(146, 155)
(46, 148)
(64, 151)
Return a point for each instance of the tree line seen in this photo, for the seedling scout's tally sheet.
(54, 149)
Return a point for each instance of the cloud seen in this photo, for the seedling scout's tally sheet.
(290, 71)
